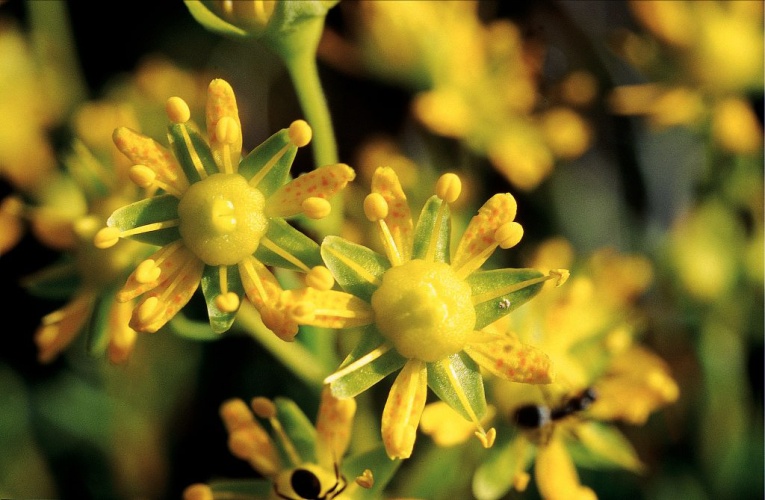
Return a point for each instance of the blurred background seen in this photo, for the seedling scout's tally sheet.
(635, 126)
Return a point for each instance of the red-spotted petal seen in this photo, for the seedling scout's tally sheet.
(320, 183)
(507, 357)
(328, 308)
(223, 126)
(399, 218)
(403, 409)
(146, 151)
(333, 427)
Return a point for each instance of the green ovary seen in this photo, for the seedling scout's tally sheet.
(424, 310)
(222, 219)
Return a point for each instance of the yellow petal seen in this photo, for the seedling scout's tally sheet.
(248, 440)
(226, 137)
(146, 151)
(147, 275)
(268, 297)
(333, 427)
(320, 183)
(401, 415)
(327, 308)
(478, 242)
(447, 427)
(399, 217)
(556, 475)
(121, 337)
(59, 328)
(509, 358)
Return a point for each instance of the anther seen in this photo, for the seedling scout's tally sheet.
(85, 226)
(106, 237)
(302, 311)
(508, 234)
(177, 110)
(263, 407)
(316, 208)
(227, 131)
(366, 479)
(449, 187)
(300, 133)
(487, 438)
(147, 272)
(521, 480)
(320, 278)
(227, 302)
(375, 207)
(148, 311)
(561, 276)
(142, 176)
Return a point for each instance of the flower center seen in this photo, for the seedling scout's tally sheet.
(424, 310)
(222, 219)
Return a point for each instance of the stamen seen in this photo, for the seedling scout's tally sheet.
(486, 438)
(261, 291)
(376, 210)
(223, 279)
(365, 479)
(359, 270)
(167, 252)
(365, 359)
(316, 208)
(269, 244)
(106, 237)
(265, 408)
(227, 133)
(146, 178)
(300, 133)
(227, 302)
(177, 110)
(521, 480)
(474, 262)
(147, 272)
(320, 278)
(449, 187)
(508, 234)
(154, 226)
(494, 294)
(195, 159)
(561, 276)
(149, 310)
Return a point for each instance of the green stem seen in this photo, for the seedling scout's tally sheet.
(292, 355)
(305, 78)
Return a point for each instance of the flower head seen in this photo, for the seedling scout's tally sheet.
(218, 217)
(297, 460)
(423, 308)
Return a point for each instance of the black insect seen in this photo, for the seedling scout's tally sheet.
(310, 482)
(538, 416)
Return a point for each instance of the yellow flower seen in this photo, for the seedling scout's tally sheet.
(423, 308)
(296, 459)
(219, 218)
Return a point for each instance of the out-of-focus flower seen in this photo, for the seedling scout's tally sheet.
(475, 82)
(297, 460)
(602, 377)
(708, 59)
(422, 308)
(220, 219)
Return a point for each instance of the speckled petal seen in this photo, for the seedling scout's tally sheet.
(146, 151)
(320, 183)
(333, 427)
(399, 219)
(509, 358)
(171, 259)
(329, 308)
(403, 409)
(266, 294)
(60, 327)
(221, 102)
(477, 243)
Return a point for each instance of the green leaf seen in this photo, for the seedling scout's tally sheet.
(433, 228)
(58, 281)
(269, 162)
(149, 211)
(97, 328)
(220, 321)
(457, 380)
(494, 476)
(189, 148)
(603, 446)
(500, 291)
(212, 22)
(242, 488)
(298, 427)
(376, 460)
(357, 269)
(289, 242)
(362, 378)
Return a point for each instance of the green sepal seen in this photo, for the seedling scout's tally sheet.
(269, 155)
(212, 22)
(220, 321)
(376, 460)
(183, 153)
(299, 428)
(364, 377)
(242, 488)
(357, 269)
(156, 209)
(431, 227)
(602, 446)
(56, 282)
(292, 242)
(461, 370)
(493, 477)
(188, 328)
(97, 328)
(495, 306)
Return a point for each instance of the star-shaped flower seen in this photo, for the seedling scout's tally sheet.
(422, 309)
(219, 218)
(297, 459)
